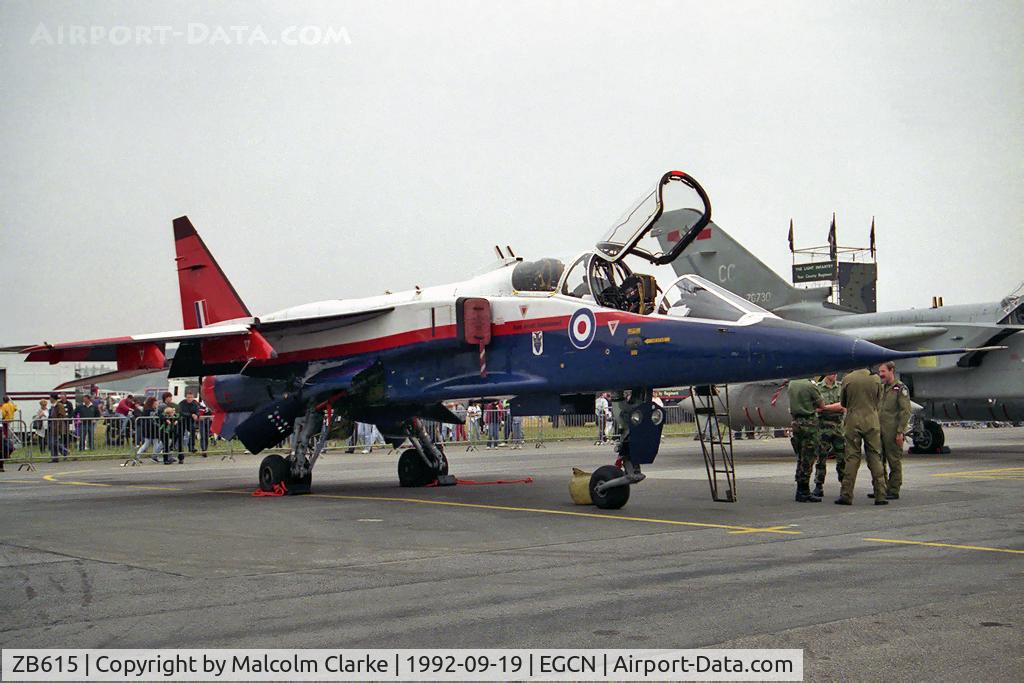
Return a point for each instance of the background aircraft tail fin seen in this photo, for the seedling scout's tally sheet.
(207, 295)
(717, 257)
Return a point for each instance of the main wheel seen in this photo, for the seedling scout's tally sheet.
(931, 438)
(412, 471)
(613, 498)
(444, 461)
(273, 470)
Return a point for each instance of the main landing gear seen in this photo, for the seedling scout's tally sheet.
(425, 462)
(309, 437)
(928, 437)
(640, 421)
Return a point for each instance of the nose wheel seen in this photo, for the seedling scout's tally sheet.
(604, 497)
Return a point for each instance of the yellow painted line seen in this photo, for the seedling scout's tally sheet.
(53, 478)
(143, 487)
(947, 545)
(569, 513)
(978, 477)
(479, 506)
(1008, 473)
(764, 530)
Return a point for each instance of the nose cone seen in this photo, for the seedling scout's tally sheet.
(867, 353)
(800, 349)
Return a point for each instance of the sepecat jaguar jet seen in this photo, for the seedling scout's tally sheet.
(548, 333)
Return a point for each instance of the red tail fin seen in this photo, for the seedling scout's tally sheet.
(206, 294)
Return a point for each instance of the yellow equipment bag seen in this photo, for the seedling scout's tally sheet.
(579, 487)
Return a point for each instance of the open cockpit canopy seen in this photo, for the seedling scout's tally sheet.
(636, 232)
(691, 296)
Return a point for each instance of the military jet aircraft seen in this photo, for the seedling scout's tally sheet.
(546, 332)
(976, 386)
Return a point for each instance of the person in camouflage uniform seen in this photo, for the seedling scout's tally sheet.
(860, 396)
(893, 417)
(804, 403)
(830, 432)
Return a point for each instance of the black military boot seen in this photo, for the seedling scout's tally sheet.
(892, 495)
(843, 501)
(818, 491)
(805, 496)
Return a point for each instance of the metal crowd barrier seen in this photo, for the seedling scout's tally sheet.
(114, 436)
(15, 435)
(491, 429)
(136, 439)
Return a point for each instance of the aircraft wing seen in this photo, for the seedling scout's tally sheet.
(971, 333)
(889, 335)
(110, 348)
(203, 350)
(317, 322)
(142, 354)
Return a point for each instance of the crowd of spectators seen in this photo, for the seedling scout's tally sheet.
(64, 427)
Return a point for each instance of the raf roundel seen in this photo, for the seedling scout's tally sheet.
(582, 328)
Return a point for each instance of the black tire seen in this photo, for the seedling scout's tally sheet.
(931, 438)
(273, 470)
(412, 471)
(444, 461)
(613, 498)
(938, 436)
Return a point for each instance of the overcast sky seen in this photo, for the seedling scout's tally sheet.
(400, 153)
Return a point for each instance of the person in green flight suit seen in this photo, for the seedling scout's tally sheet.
(860, 396)
(830, 432)
(805, 403)
(893, 417)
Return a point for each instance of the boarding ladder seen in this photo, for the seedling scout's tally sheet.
(711, 410)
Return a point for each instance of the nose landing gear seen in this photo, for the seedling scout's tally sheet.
(641, 422)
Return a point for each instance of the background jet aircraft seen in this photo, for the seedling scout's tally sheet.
(975, 386)
(547, 333)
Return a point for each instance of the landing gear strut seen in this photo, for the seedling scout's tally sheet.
(309, 438)
(425, 462)
(640, 421)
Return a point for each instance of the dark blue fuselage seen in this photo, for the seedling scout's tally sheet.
(656, 352)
